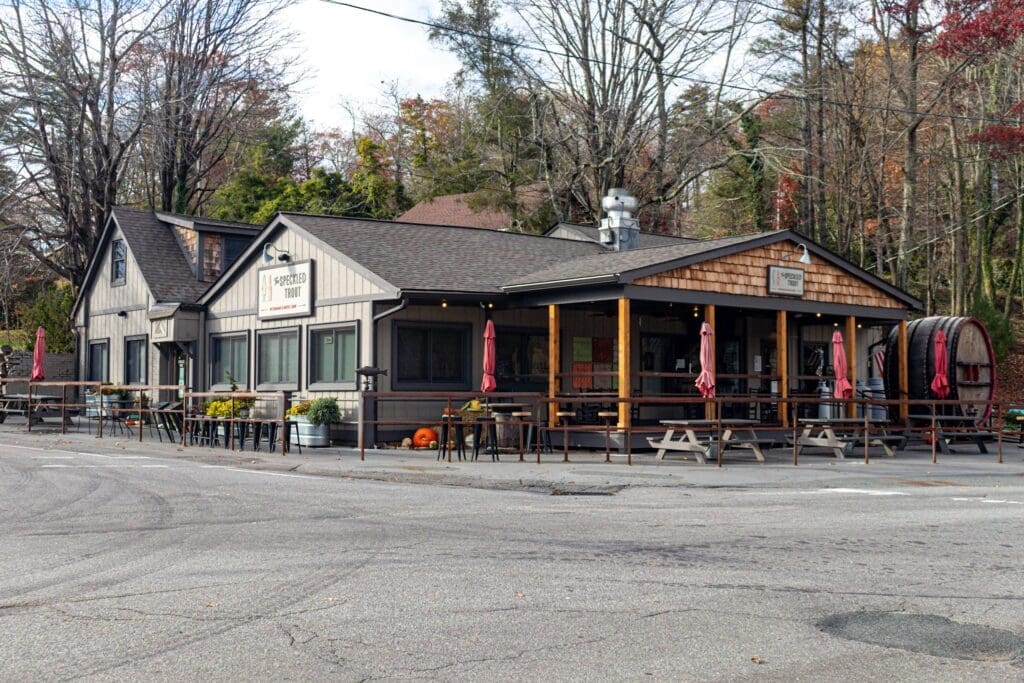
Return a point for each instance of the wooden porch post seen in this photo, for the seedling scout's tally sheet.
(782, 349)
(709, 318)
(625, 390)
(554, 359)
(851, 360)
(901, 345)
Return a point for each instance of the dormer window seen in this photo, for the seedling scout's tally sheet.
(118, 262)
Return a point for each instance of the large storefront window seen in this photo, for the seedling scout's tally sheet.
(333, 356)
(430, 355)
(278, 361)
(99, 358)
(522, 359)
(229, 359)
(135, 360)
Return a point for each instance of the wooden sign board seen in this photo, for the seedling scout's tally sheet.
(785, 281)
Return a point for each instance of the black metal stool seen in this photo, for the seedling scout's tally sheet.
(491, 423)
(452, 428)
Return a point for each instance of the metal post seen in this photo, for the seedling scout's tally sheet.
(99, 423)
(795, 447)
(63, 400)
(28, 407)
(718, 426)
(867, 432)
(935, 457)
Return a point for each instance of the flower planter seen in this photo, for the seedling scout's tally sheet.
(304, 433)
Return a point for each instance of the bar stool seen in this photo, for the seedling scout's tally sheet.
(452, 427)
(521, 416)
(564, 416)
(607, 416)
(491, 423)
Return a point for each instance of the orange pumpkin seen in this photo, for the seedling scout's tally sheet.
(423, 437)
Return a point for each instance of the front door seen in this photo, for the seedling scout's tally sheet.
(175, 368)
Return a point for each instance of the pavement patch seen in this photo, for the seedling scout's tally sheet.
(927, 634)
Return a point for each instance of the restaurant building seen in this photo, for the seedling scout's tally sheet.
(301, 303)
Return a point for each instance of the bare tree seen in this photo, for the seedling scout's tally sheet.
(212, 66)
(62, 65)
(608, 75)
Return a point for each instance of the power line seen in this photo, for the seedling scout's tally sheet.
(683, 77)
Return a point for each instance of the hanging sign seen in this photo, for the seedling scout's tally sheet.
(785, 281)
(285, 291)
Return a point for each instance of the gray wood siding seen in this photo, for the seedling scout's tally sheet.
(103, 301)
(234, 310)
(332, 280)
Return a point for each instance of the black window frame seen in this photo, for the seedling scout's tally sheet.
(521, 336)
(105, 342)
(144, 338)
(279, 386)
(464, 383)
(313, 330)
(221, 383)
(116, 281)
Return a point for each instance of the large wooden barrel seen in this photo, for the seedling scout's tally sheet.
(970, 369)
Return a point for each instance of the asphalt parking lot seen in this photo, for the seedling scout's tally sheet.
(149, 561)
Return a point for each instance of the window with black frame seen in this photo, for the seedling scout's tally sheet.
(278, 362)
(118, 262)
(229, 360)
(98, 361)
(135, 365)
(333, 356)
(431, 355)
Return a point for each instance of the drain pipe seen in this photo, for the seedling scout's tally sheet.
(369, 412)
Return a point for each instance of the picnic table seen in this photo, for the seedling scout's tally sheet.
(950, 427)
(17, 404)
(736, 434)
(841, 434)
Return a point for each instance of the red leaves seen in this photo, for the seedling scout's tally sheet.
(1002, 140)
(974, 29)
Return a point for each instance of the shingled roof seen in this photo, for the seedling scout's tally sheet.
(612, 265)
(455, 210)
(647, 239)
(441, 258)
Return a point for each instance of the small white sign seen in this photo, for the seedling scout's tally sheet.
(785, 281)
(285, 291)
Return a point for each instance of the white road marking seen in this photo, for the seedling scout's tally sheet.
(269, 474)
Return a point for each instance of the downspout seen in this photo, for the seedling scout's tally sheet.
(369, 412)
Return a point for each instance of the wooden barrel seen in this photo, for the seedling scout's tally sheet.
(970, 364)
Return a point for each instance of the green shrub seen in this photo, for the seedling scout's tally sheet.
(323, 411)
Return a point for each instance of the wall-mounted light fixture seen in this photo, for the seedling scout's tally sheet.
(805, 258)
(817, 315)
(122, 314)
(282, 255)
(444, 303)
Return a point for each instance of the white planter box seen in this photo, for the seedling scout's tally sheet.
(306, 434)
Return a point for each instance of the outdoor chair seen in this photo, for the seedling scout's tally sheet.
(491, 424)
(452, 428)
(607, 416)
(520, 417)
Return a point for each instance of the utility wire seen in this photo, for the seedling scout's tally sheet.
(683, 77)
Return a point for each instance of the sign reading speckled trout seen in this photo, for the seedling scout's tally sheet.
(285, 291)
(785, 281)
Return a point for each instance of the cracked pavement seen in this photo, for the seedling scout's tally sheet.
(138, 562)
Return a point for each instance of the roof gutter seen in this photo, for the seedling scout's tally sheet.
(605, 279)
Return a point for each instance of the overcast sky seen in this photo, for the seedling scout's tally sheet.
(347, 54)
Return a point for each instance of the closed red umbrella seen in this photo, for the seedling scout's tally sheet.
(940, 383)
(488, 383)
(706, 379)
(843, 387)
(39, 357)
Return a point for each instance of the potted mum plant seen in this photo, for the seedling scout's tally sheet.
(313, 421)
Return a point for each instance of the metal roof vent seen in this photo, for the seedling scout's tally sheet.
(619, 230)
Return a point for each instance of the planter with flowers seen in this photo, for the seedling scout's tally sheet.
(313, 421)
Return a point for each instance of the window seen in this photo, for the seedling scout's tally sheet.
(233, 248)
(118, 262)
(229, 358)
(135, 365)
(278, 359)
(333, 355)
(521, 359)
(431, 354)
(98, 361)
